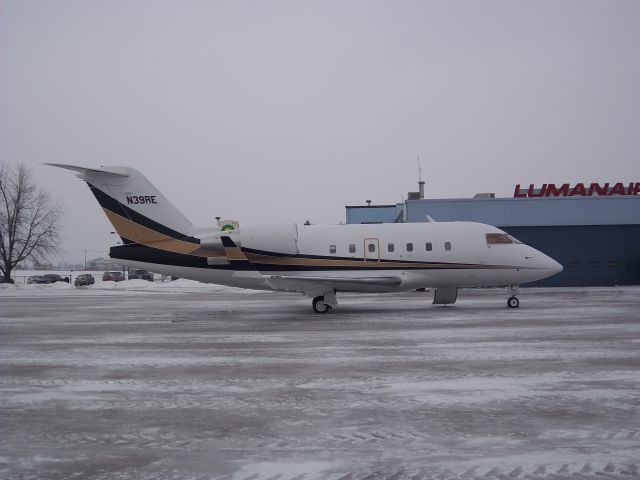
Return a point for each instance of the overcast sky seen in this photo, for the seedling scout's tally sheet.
(282, 111)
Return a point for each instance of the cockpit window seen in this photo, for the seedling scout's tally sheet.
(500, 238)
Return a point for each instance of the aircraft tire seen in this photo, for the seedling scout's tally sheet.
(319, 306)
(513, 302)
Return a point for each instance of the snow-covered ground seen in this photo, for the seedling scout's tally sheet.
(185, 380)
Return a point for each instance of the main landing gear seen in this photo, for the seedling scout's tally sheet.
(512, 301)
(319, 306)
(324, 303)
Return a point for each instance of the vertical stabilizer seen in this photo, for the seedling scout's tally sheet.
(139, 212)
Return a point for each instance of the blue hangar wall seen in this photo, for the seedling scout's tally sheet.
(596, 239)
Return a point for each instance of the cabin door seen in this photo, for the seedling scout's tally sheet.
(372, 249)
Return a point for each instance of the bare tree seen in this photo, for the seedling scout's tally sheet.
(29, 219)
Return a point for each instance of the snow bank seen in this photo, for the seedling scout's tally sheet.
(107, 288)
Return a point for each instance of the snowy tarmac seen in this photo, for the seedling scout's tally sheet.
(190, 381)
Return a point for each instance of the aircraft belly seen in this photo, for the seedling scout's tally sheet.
(297, 281)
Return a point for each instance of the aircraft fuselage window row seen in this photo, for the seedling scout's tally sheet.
(371, 247)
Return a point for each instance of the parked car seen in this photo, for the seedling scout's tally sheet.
(113, 276)
(138, 274)
(47, 278)
(83, 280)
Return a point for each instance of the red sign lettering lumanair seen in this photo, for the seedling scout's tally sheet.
(578, 190)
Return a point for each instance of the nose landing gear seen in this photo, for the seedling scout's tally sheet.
(512, 301)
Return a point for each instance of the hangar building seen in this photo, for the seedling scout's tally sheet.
(594, 234)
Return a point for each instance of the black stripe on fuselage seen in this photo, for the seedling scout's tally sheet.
(110, 203)
(143, 253)
(404, 262)
(371, 266)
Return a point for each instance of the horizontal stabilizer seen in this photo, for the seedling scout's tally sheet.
(86, 170)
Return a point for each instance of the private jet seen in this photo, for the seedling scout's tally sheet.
(315, 260)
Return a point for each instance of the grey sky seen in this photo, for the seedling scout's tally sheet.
(282, 111)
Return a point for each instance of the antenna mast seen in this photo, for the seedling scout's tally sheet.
(420, 181)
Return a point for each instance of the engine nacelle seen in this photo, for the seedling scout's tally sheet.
(278, 238)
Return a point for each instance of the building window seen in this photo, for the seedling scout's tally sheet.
(372, 248)
(409, 247)
(391, 247)
(332, 249)
(428, 246)
(447, 246)
(594, 264)
(352, 248)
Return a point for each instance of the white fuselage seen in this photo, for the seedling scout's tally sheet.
(442, 254)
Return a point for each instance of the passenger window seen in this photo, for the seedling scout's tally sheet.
(391, 247)
(372, 247)
(332, 249)
(352, 248)
(428, 246)
(409, 247)
(447, 246)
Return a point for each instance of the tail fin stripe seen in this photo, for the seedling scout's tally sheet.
(142, 235)
(109, 203)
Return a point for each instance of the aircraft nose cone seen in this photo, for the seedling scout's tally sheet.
(552, 266)
(546, 265)
(557, 268)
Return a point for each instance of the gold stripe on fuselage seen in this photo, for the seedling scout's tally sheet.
(264, 260)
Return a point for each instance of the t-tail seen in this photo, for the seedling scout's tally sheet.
(138, 211)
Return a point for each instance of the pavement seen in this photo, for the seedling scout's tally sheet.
(144, 384)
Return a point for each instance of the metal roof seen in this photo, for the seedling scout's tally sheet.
(502, 212)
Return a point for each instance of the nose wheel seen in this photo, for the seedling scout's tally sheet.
(512, 301)
(319, 306)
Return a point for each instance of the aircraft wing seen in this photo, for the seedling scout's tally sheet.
(317, 285)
